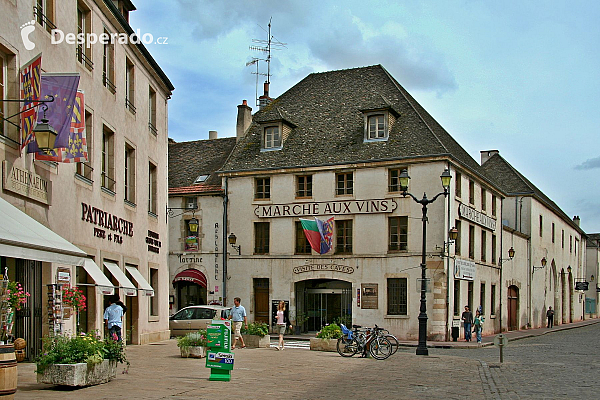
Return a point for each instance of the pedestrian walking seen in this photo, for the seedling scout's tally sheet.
(113, 318)
(550, 316)
(238, 316)
(467, 317)
(283, 321)
(478, 325)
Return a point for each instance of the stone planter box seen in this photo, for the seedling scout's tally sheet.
(256, 341)
(193, 352)
(80, 374)
(318, 344)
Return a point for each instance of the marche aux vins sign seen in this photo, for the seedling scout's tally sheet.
(219, 357)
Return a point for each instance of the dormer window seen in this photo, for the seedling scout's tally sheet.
(376, 127)
(272, 137)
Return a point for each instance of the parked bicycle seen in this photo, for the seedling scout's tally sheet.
(366, 341)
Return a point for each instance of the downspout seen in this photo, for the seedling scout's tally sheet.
(225, 201)
(450, 197)
(529, 278)
(501, 254)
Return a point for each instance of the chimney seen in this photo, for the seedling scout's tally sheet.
(577, 220)
(264, 100)
(244, 119)
(212, 135)
(486, 154)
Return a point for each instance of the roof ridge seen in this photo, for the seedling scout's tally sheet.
(204, 140)
(346, 69)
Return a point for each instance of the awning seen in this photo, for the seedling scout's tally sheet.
(23, 237)
(191, 275)
(125, 283)
(102, 283)
(142, 283)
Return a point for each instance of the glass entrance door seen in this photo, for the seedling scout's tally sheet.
(325, 305)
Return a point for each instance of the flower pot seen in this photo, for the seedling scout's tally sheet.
(81, 374)
(8, 371)
(319, 344)
(256, 341)
(193, 351)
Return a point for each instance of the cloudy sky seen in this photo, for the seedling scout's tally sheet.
(522, 77)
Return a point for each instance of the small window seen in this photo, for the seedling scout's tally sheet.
(471, 242)
(397, 296)
(376, 127)
(262, 188)
(261, 238)
(302, 244)
(345, 184)
(541, 226)
(201, 178)
(84, 49)
(483, 246)
(398, 233)
(129, 86)
(470, 295)
(152, 111)
(394, 181)
(304, 186)
(343, 230)
(457, 241)
(458, 187)
(483, 199)
(191, 203)
(493, 300)
(85, 169)
(482, 298)
(108, 65)
(272, 137)
(494, 252)
(129, 173)
(553, 231)
(471, 192)
(494, 205)
(152, 189)
(562, 238)
(108, 159)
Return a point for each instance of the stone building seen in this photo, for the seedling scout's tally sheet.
(124, 180)
(196, 261)
(333, 146)
(550, 251)
(592, 271)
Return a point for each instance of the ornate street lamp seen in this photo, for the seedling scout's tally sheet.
(45, 134)
(232, 239)
(404, 179)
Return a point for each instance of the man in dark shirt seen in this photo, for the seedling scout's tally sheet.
(550, 316)
(467, 317)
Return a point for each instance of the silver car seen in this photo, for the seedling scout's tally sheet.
(194, 318)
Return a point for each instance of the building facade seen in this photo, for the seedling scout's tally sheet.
(592, 270)
(334, 146)
(112, 206)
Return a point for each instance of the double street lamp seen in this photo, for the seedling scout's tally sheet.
(404, 178)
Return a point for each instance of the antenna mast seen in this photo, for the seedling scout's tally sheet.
(264, 46)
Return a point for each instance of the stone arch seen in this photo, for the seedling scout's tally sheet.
(564, 297)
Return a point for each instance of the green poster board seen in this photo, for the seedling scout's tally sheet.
(219, 357)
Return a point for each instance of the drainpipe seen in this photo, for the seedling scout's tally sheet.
(450, 197)
(501, 255)
(529, 284)
(225, 201)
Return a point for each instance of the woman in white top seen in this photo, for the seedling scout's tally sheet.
(283, 321)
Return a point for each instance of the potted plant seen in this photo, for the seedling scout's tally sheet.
(256, 334)
(301, 319)
(193, 344)
(326, 339)
(80, 360)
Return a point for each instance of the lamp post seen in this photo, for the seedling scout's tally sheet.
(404, 178)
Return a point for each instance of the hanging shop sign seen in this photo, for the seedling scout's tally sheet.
(348, 207)
(369, 295)
(323, 267)
(464, 269)
(26, 183)
(477, 217)
(153, 242)
(102, 219)
(63, 275)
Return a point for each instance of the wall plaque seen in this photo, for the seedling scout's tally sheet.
(26, 183)
(369, 295)
(323, 267)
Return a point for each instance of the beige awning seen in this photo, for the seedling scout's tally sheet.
(125, 284)
(103, 284)
(23, 237)
(141, 281)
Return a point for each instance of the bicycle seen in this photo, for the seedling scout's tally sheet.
(392, 339)
(368, 340)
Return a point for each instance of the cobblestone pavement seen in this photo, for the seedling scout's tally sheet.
(157, 372)
(557, 365)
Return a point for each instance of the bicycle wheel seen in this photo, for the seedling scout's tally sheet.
(380, 348)
(347, 347)
(394, 342)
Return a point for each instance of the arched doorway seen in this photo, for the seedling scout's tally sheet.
(513, 308)
(565, 298)
(190, 285)
(323, 301)
(570, 283)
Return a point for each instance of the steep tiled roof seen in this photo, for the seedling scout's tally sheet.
(188, 160)
(327, 111)
(196, 189)
(593, 240)
(514, 183)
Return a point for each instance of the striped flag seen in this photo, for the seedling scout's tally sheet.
(318, 233)
(30, 92)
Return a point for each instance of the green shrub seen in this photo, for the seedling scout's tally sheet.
(88, 348)
(192, 339)
(256, 328)
(331, 331)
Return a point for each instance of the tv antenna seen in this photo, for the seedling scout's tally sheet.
(265, 46)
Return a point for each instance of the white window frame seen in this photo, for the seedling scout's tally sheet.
(272, 140)
(381, 132)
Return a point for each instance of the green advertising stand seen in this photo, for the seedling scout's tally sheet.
(219, 357)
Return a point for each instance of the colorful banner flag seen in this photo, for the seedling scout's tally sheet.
(30, 92)
(77, 149)
(60, 112)
(319, 234)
